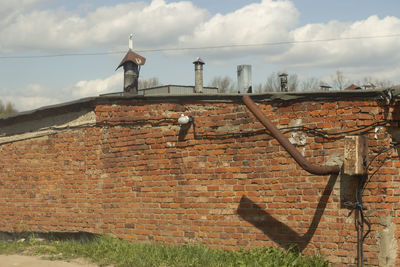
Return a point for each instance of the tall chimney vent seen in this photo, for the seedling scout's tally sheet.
(244, 76)
(198, 73)
(284, 82)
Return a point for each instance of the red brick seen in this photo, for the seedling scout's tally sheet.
(231, 185)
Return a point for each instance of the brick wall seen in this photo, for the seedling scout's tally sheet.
(223, 181)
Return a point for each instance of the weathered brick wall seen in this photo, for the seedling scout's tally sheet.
(223, 181)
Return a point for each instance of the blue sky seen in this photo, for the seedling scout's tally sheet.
(46, 27)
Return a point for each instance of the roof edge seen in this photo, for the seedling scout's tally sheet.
(385, 94)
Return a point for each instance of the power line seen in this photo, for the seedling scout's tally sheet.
(203, 47)
(63, 55)
(268, 44)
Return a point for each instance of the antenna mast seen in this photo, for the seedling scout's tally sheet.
(130, 41)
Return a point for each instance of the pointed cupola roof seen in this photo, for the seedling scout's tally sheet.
(133, 57)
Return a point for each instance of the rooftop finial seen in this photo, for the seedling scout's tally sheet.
(130, 41)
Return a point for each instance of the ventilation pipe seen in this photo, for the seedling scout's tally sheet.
(131, 77)
(284, 82)
(291, 149)
(198, 73)
(244, 78)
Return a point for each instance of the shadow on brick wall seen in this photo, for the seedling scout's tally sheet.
(276, 230)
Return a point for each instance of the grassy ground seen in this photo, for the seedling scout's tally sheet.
(106, 251)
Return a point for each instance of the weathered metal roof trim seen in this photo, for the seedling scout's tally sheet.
(163, 86)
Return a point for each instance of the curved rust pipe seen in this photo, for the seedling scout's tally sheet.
(291, 149)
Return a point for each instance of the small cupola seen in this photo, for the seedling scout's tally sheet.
(131, 63)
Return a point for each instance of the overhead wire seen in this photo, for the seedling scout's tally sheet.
(171, 49)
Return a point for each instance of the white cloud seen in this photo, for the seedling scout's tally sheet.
(32, 102)
(30, 97)
(267, 21)
(114, 83)
(35, 95)
(159, 22)
(23, 103)
(25, 27)
(11, 8)
(344, 53)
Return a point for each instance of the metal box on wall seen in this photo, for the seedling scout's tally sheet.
(355, 155)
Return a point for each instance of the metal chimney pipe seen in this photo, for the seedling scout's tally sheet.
(244, 79)
(284, 82)
(198, 73)
(131, 77)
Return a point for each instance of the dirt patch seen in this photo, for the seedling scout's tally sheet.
(34, 261)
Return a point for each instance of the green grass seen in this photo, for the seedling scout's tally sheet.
(106, 250)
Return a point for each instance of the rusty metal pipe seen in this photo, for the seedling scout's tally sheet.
(291, 149)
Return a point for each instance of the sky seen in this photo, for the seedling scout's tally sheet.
(54, 51)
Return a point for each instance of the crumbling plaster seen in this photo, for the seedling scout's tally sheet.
(46, 126)
(387, 242)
